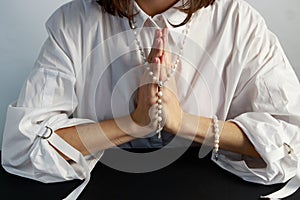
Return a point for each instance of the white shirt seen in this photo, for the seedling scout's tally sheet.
(232, 66)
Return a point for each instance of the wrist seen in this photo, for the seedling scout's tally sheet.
(136, 127)
(127, 125)
(174, 125)
(194, 127)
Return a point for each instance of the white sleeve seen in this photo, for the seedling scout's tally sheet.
(47, 99)
(266, 107)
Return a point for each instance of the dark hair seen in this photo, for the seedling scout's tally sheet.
(124, 8)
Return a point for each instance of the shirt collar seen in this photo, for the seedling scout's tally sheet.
(172, 15)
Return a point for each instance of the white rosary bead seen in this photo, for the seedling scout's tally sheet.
(151, 73)
(160, 93)
(216, 145)
(172, 73)
(159, 135)
(160, 84)
(154, 78)
(160, 107)
(159, 118)
(159, 101)
(215, 119)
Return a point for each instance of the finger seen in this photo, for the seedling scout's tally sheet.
(157, 35)
(145, 79)
(147, 89)
(165, 37)
(164, 67)
(157, 47)
(156, 69)
(167, 60)
(154, 75)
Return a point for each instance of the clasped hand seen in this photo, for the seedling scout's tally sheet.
(160, 61)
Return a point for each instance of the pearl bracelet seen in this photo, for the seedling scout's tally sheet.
(216, 131)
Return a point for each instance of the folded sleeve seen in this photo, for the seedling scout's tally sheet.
(265, 105)
(46, 103)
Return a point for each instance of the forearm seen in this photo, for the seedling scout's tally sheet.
(232, 138)
(92, 138)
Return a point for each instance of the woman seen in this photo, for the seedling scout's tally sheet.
(177, 66)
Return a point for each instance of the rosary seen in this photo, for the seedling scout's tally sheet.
(161, 83)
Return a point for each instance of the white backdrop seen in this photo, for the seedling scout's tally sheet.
(22, 33)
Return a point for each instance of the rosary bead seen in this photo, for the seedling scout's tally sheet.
(160, 107)
(215, 151)
(217, 141)
(160, 93)
(159, 135)
(159, 119)
(160, 84)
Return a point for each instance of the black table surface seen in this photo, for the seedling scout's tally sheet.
(187, 178)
